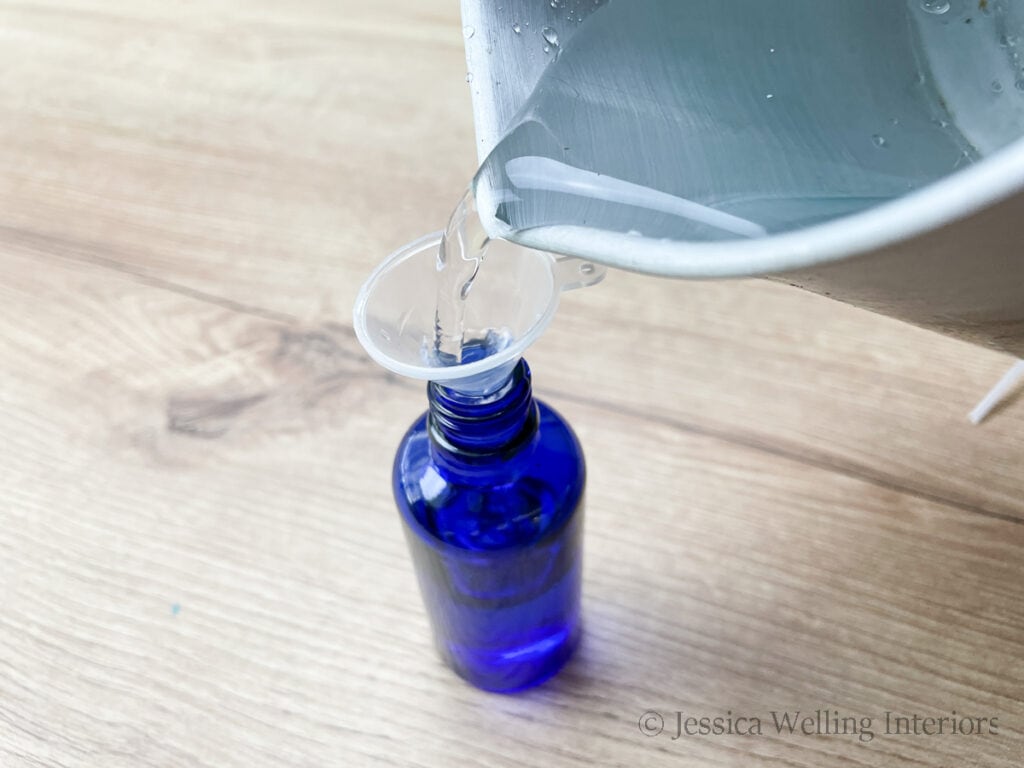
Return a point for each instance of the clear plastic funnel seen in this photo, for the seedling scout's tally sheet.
(512, 301)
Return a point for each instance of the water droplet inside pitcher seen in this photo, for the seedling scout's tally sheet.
(769, 95)
(1019, 85)
(938, 7)
(469, 77)
(879, 140)
(468, 31)
(516, 28)
(550, 35)
(996, 86)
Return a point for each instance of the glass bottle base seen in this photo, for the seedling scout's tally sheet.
(514, 669)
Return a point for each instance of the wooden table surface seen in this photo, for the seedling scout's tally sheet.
(200, 561)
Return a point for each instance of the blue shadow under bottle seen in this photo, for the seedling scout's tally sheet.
(490, 489)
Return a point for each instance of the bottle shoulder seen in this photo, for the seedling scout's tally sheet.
(505, 503)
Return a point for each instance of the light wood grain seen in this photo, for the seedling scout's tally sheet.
(200, 563)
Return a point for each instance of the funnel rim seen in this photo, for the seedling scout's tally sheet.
(454, 372)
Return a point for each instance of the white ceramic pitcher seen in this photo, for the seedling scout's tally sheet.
(948, 254)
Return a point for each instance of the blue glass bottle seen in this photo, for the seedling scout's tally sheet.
(490, 489)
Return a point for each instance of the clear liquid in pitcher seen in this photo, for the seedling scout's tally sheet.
(721, 121)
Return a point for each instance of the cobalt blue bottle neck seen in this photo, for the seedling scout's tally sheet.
(482, 427)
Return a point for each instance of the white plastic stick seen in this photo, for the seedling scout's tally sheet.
(997, 393)
(532, 172)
